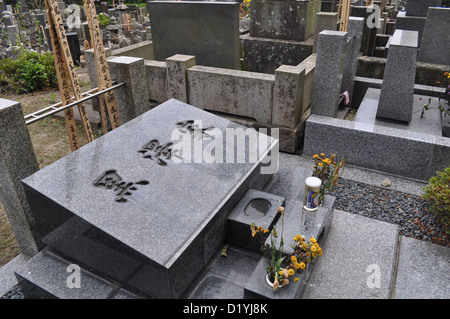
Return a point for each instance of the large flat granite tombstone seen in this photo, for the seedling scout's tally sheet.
(124, 204)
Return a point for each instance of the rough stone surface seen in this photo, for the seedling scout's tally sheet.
(266, 55)
(287, 20)
(196, 28)
(177, 66)
(241, 93)
(423, 270)
(156, 80)
(288, 96)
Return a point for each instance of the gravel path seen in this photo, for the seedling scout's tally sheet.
(406, 210)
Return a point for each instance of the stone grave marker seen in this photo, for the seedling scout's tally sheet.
(207, 30)
(397, 90)
(122, 203)
(419, 8)
(435, 46)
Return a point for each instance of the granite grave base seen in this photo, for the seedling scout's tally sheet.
(122, 201)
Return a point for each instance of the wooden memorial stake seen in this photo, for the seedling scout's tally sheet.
(63, 84)
(344, 14)
(103, 75)
(56, 20)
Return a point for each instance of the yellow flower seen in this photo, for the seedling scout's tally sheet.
(319, 251)
(296, 279)
(314, 255)
(296, 265)
(313, 240)
(291, 272)
(280, 273)
(313, 249)
(322, 154)
(302, 265)
(315, 155)
(294, 259)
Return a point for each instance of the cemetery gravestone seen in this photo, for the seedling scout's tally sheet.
(435, 46)
(397, 90)
(122, 203)
(328, 74)
(196, 28)
(287, 20)
(419, 8)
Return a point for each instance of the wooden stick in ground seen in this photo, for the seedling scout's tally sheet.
(63, 84)
(52, 5)
(87, 10)
(103, 74)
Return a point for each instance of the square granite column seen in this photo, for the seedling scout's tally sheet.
(328, 74)
(17, 161)
(177, 66)
(397, 90)
(288, 96)
(355, 31)
(132, 98)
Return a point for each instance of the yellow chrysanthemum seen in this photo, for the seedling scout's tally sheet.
(294, 259)
(296, 265)
(302, 265)
(280, 273)
(291, 272)
(296, 279)
(313, 240)
(313, 249)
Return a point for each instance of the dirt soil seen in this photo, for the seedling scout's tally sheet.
(50, 142)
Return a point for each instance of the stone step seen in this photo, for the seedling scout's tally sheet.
(47, 276)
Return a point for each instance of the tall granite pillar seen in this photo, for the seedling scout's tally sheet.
(17, 161)
(328, 74)
(355, 31)
(397, 90)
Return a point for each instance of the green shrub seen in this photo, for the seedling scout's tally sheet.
(103, 20)
(30, 72)
(437, 194)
